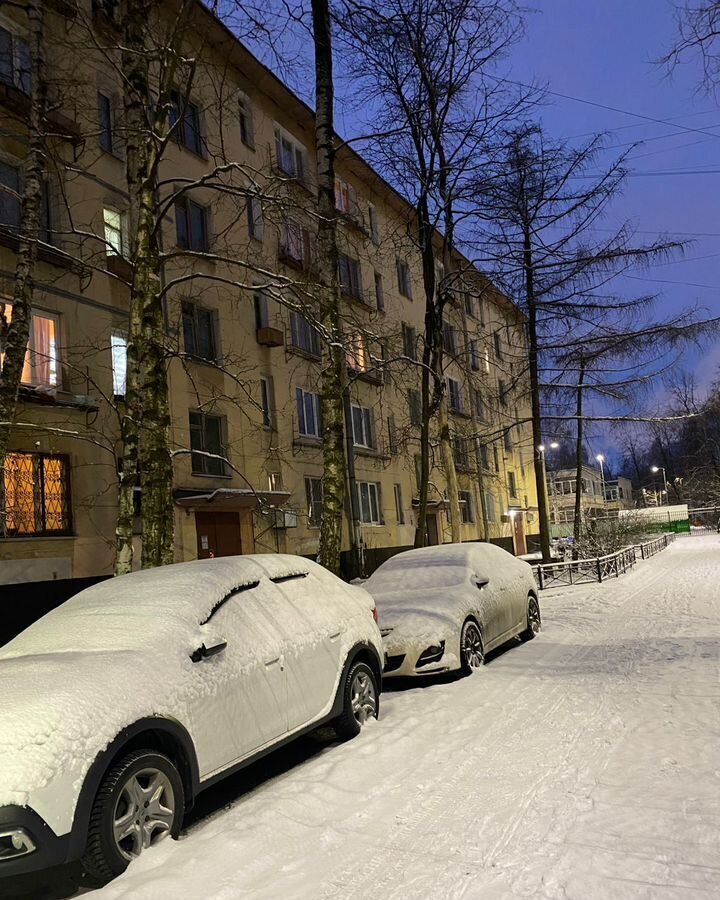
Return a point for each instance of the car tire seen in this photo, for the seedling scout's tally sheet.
(361, 695)
(142, 794)
(472, 653)
(534, 622)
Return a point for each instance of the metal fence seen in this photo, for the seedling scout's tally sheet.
(593, 571)
(704, 520)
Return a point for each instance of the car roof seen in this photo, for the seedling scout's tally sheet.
(470, 553)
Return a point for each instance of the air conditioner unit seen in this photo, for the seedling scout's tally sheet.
(284, 518)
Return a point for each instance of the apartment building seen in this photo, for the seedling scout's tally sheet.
(562, 492)
(243, 345)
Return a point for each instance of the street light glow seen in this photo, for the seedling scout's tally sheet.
(654, 468)
(554, 445)
(600, 457)
(541, 448)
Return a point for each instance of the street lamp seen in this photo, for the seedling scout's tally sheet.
(601, 459)
(541, 450)
(655, 470)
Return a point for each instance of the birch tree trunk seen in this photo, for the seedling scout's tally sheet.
(17, 331)
(334, 373)
(145, 421)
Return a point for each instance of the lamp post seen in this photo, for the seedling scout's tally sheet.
(601, 459)
(541, 450)
(655, 470)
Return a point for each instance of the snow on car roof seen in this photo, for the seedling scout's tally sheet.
(179, 596)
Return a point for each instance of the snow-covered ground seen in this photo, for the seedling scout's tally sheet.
(582, 765)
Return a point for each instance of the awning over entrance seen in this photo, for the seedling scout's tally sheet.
(229, 498)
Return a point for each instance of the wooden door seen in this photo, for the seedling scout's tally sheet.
(519, 541)
(431, 528)
(218, 534)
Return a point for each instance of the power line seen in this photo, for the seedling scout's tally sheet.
(712, 287)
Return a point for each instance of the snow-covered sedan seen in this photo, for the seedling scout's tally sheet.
(120, 706)
(444, 607)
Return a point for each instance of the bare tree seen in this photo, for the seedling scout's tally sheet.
(698, 25)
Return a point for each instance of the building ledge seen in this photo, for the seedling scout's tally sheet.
(53, 396)
(46, 252)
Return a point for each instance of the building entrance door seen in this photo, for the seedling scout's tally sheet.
(519, 542)
(431, 529)
(218, 534)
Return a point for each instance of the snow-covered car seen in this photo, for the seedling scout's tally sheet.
(444, 607)
(124, 703)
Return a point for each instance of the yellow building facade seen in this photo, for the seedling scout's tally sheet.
(244, 355)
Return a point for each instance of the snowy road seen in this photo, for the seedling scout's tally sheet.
(585, 764)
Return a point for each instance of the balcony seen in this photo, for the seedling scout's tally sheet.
(270, 337)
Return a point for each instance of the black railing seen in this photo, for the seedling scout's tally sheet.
(599, 569)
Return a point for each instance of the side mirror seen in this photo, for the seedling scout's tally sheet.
(480, 582)
(206, 652)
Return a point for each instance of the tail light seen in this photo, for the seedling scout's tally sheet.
(375, 614)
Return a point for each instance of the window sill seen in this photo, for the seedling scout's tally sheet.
(306, 354)
(209, 475)
(53, 536)
(307, 442)
(46, 252)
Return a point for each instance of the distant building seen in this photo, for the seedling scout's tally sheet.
(561, 491)
(619, 494)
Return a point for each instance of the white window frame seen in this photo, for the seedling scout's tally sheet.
(290, 154)
(371, 511)
(313, 498)
(254, 211)
(113, 248)
(310, 401)
(245, 113)
(267, 402)
(363, 416)
(118, 358)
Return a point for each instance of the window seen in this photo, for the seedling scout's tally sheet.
(303, 335)
(191, 225)
(508, 441)
(247, 127)
(512, 484)
(349, 276)
(345, 198)
(115, 241)
(486, 361)
(474, 356)
(374, 225)
(10, 189)
(392, 436)
(185, 118)
(105, 121)
(267, 402)
(118, 355)
(409, 341)
(11, 183)
(34, 495)
(296, 244)
(260, 304)
(498, 345)
(314, 500)
(469, 303)
(404, 280)
(415, 407)
(455, 395)
(467, 513)
(255, 218)
(369, 503)
(460, 453)
(363, 430)
(379, 292)
(289, 155)
(502, 392)
(275, 481)
(357, 353)
(15, 62)
(484, 457)
(198, 331)
(490, 507)
(479, 403)
(496, 459)
(399, 511)
(41, 366)
(448, 339)
(206, 437)
(308, 413)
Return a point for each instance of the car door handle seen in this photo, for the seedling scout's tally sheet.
(334, 637)
(272, 662)
(204, 652)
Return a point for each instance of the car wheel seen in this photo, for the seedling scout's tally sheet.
(472, 655)
(534, 623)
(360, 701)
(140, 801)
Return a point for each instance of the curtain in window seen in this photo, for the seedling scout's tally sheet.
(44, 351)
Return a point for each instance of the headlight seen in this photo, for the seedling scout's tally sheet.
(431, 654)
(15, 842)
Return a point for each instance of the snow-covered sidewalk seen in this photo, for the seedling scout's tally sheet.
(584, 764)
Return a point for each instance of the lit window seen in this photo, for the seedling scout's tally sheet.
(114, 232)
(34, 495)
(41, 360)
(118, 350)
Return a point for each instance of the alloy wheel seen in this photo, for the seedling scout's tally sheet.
(364, 697)
(534, 623)
(472, 648)
(144, 812)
